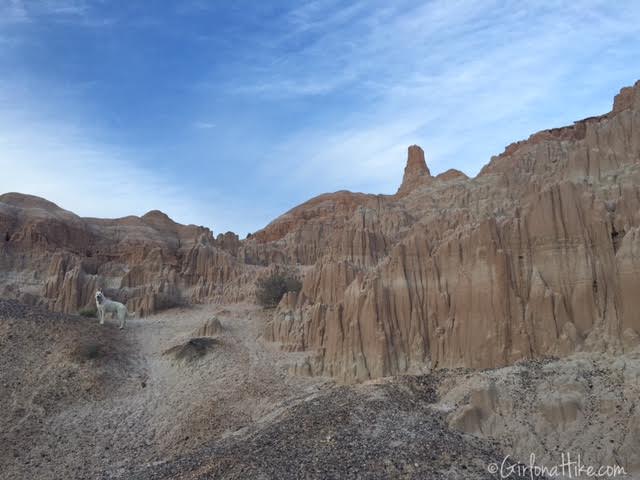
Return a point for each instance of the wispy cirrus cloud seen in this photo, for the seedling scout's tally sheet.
(202, 125)
(461, 78)
(13, 11)
(59, 162)
(227, 114)
(45, 153)
(72, 12)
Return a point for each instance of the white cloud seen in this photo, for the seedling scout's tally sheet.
(204, 125)
(69, 12)
(59, 161)
(463, 79)
(13, 11)
(90, 180)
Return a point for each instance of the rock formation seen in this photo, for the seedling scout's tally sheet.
(416, 171)
(538, 255)
(210, 328)
(52, 257)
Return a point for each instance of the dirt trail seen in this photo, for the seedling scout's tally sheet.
(241, 379)
(152, 407)
(155, 401)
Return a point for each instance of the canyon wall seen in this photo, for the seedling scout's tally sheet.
(539, 255)
(51, 257)
(536, 256)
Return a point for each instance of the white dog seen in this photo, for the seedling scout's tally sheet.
(110, 306)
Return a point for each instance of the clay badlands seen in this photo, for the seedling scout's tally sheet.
(438, 330)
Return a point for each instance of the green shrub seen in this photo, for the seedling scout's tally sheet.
(271, 289)
(89, 312)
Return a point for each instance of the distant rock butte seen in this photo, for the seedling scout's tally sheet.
(538, 255)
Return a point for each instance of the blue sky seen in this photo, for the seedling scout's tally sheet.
(227, 114)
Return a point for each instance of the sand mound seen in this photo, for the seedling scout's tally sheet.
(210, 328)
(192, 349)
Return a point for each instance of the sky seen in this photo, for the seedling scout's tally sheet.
(228, 114)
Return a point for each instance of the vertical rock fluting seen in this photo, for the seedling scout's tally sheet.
(536, 256)
(54, 258)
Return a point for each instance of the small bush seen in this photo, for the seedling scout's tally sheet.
(272, 288)
(89, 312)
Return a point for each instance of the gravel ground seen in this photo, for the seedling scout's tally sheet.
(377, 431)
(80, 399)
(156, 401)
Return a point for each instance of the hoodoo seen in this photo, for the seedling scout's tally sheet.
(416, 170)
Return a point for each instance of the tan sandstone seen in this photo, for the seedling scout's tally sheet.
(539, 255)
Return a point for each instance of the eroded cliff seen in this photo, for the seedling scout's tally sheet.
(52, 257)
(536, 256)
(539, 255)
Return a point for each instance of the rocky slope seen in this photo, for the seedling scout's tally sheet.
(450, 424)
(80, 400)
(538, 255)
(585, 403)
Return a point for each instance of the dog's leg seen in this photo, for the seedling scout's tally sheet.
(101, 315)
(122, 315)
